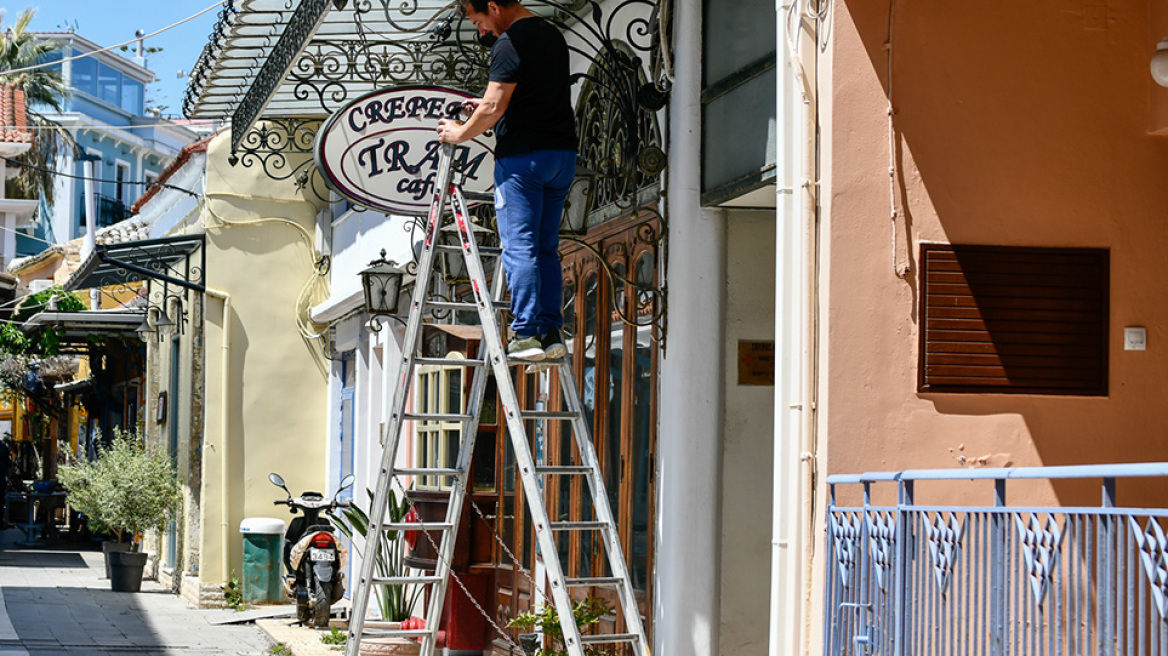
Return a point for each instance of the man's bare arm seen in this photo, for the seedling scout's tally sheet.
(490, 109)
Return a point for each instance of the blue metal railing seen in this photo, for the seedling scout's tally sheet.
(933, 580)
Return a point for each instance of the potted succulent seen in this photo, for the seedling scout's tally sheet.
(128, 489)
(588, 613)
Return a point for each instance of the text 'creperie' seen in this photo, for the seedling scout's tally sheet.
(377, 112)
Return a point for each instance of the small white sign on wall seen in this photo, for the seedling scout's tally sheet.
(381, 150)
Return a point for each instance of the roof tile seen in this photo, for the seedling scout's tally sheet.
(13, 115)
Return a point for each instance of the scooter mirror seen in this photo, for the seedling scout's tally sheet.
(347, 482)
(276, 480)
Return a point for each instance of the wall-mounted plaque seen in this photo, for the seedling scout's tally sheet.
(756, 363)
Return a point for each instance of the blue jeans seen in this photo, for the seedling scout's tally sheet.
(529, 200)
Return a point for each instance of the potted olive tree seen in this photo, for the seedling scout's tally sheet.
(131, 490)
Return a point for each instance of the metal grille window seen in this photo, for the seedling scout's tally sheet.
(1013, 320)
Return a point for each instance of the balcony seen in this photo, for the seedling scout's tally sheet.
(109, 211)
(910, 578)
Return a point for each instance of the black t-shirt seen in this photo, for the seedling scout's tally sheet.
(533, 55)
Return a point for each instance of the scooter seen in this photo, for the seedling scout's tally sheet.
(313, 557)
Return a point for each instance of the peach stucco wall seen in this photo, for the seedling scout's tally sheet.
(1018, 123)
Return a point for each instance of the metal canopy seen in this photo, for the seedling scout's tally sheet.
(166, 260)
(88, 322)
(252, 34)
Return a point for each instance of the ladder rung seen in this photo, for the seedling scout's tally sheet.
(437, 416)
(406, 580)
(579, 526)
(426, 471)
(547, 414)
(465, 305)
(545, 363)
(479, 196)
(609, 637)
(485, 251)
(448, 362)
(417, 526)
(552, 470)
(599, 581)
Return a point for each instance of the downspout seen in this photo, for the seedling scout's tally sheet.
(796, 284)
(224, 432)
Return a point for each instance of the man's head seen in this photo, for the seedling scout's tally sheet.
(490, 16)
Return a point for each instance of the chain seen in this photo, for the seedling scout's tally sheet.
(450, 570)
(523, 570)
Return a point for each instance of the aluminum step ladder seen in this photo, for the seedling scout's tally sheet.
(492, 358)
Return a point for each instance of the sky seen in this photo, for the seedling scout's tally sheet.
(109, 22)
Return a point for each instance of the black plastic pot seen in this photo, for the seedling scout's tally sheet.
(126, 570)
(109, 547)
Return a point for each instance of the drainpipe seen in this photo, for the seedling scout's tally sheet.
(795, 291)
(687, 602)
(224, 430)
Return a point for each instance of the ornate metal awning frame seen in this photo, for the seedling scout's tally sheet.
(160, 271)
(277, 68)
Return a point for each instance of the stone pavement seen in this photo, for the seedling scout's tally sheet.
(57, 602)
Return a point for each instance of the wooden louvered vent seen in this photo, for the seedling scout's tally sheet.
(1014, 320)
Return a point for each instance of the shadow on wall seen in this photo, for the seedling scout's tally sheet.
(1025, 125)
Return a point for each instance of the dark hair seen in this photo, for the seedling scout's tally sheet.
(480, 6)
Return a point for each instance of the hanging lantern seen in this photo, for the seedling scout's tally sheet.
(382, 283)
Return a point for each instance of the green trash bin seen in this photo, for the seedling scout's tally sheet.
(263, 546)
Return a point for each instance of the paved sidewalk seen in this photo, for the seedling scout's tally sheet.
(56, 602)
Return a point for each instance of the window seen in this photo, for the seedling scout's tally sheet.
(84, 73)
(439, 391)
(347, 433)
(132, 95)
(109, 84)
(615, 365)
(738, 98)
(121, 177)
(52, 61)
(1014, 320)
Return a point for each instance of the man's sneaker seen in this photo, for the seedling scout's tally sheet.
(526, 348)
(553, 345)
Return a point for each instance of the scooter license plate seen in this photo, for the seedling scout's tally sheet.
(321, 554)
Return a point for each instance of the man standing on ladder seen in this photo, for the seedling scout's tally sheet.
(528, 102)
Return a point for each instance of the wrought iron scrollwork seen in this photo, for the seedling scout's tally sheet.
(651, 298)
(282, 147)
(326, 71)
(301, 27)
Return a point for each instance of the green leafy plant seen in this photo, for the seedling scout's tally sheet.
(233, 593)
(334, 637)
(395, 601)
(128, 488)
(280, 649)
(588, 613)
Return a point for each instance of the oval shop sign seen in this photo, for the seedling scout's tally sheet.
(381, 150)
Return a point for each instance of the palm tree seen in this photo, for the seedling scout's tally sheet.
(43, 87)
